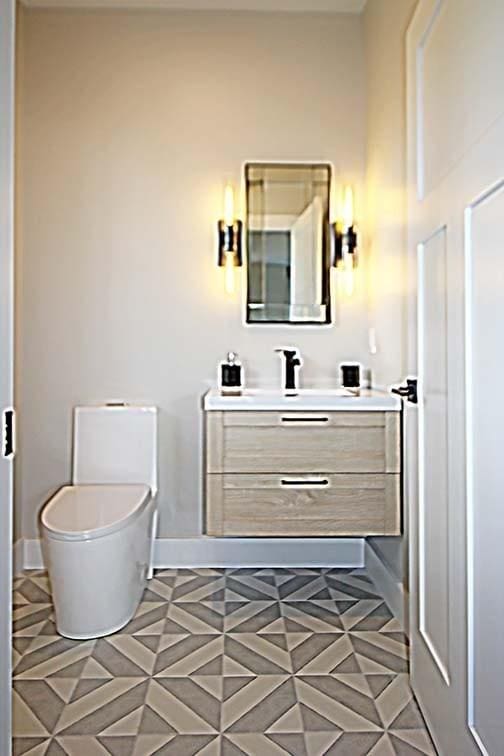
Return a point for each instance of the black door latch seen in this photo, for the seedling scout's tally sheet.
(8, 434)
(409, 392)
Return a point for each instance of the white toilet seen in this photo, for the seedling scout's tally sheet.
(98, 533)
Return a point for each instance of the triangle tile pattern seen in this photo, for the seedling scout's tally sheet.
(292, 662)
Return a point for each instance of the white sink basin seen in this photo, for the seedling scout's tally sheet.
(324, 400)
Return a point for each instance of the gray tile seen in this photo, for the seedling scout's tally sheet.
(315, 722)
(246, 587)
(379, 656)
(277, 660)
(122, 745)
(303, 588)
(20, 746)
(292, 743)
(375, 620)
(153, 724)
(268, 711)
(230, 749)
(247, 658)
(253, 617)
(422, 747)
(343, 694)
(34, 593)
(197, 587)
(194, 697)
(55, 749)
(114, 661)
(349, 588)
(148, 615)
(409, 718)
(185, 745)
(354, 744)
(108, 712)
(42, 700)
(180, 650)
(311, 648)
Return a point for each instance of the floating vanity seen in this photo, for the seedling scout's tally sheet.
(319, 463)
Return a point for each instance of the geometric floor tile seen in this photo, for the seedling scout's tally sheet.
(220, 662)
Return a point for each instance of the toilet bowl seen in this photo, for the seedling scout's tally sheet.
(98, 533)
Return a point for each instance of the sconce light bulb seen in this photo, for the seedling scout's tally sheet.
(229, 273)
(348, 208)
(228, 205)
(349, 282)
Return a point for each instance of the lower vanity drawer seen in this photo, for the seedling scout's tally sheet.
(302, 505)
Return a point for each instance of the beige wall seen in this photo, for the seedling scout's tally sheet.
(385, 24)
(130, 122)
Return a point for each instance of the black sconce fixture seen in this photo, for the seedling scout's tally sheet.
(345, 235)
(345, 239)
(230, 239)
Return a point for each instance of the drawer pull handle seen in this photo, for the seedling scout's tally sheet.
(305, 419)
(304, 482)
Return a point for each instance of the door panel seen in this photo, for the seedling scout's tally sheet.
(485, 486)
(457, 79)
(454, 469)
(433, 511)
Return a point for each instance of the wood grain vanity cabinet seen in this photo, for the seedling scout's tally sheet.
(302, 473)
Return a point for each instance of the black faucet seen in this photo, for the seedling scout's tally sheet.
(292, 361)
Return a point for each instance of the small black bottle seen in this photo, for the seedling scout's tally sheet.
(231, 376)
(350, 376)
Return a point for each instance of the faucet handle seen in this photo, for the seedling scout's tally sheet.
(288, 352)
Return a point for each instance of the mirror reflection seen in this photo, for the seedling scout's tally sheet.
(288, 243)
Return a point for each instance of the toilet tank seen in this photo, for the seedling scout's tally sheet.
(115, 444)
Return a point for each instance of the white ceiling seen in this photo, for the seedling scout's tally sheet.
(290, 6)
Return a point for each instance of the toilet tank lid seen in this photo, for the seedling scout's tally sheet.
(86, 512)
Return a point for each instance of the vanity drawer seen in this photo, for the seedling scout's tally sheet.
(303, 505)
(265, 442)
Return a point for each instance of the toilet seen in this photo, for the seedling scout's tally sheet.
(98, 533)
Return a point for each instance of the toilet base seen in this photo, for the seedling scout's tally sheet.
(98, 584)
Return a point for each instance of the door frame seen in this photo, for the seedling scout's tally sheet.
(7, 105)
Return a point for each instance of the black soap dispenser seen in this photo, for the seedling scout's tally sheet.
(231, 376)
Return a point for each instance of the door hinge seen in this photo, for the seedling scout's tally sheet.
(8, 433)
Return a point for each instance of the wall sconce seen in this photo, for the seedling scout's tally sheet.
(345, 242)
(230, 240)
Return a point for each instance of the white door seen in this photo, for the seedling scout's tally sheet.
(6, 356)
(455, 466)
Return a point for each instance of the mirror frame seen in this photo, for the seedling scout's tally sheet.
(326, 245)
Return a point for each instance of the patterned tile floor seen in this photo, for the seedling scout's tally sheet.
(263, 662)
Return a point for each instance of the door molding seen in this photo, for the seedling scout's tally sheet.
(7, 87)
(483, 198)
(421, 508)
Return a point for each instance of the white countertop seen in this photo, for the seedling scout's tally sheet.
(324, 400)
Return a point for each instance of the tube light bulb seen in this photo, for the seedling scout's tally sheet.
(348, 273)
(228, 205)
(229, 273)
(348, 208)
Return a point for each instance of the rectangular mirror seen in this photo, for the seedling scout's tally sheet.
(288, 243)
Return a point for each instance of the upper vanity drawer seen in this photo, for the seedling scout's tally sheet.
(303, 441)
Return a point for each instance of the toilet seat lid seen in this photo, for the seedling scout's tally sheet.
(90, 511)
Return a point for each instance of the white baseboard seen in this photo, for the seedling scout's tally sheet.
(203, 551)
(259, 552)
(18, 557)
(387, 585)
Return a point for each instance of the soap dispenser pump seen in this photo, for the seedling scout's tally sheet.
(231, 376)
